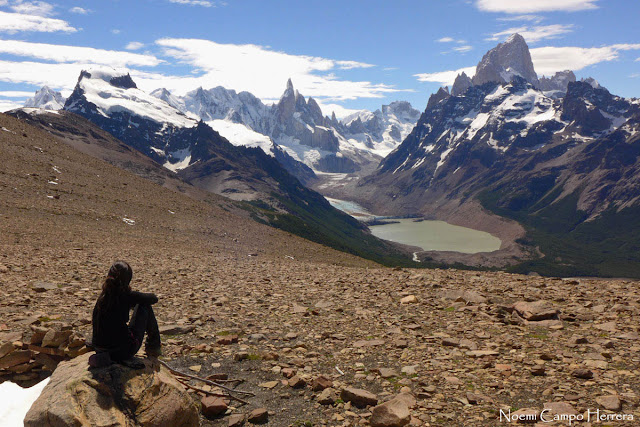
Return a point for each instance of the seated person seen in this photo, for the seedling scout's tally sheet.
(113, 338)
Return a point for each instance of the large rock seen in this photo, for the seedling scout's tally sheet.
(110, 396)
(358, 397)
(535, 311)
(393, 413)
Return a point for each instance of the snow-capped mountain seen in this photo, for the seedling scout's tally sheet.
(516, 136)
(153, 126)
(382, 130)
(297, 125)
(506, 61)
(46, 99)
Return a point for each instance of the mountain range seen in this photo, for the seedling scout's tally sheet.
(548, 164)
(195, 154)
(557, 156)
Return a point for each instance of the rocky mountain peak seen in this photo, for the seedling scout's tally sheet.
(46, 98)
(503, 62)
(461, 84)
(559, 81)
(441, 94)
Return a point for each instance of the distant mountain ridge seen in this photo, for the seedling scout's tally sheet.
(298, 126)
(46, 99)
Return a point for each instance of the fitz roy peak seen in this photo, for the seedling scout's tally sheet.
(506, 61)
(512, 143)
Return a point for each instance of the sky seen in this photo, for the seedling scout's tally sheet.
(347, 54)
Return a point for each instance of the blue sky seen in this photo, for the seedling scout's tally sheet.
(348, 54)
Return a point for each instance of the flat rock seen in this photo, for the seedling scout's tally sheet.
(236, 420)
(213, 406)
(176, 329)
(15, 358)
(327, 397)
(612, 402)
(320, 383)
(78, 396)
(368, 343)
(358, 397)
(54, 338)
(258, 416)
(535, 311)
(560, 408)
(409, 299)
(394, 413)
(44, 286)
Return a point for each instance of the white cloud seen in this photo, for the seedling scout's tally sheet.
(533, 6)
(445, 78)
(532, 18)
(14, 22)
(134, 46)
(340, 111)
(15, 93)
(445, 40)
(62, 53)
(548, 60)
(58, 76)
(38, 8)
(349, 65)
(79, 10)
(9, 104)
(260, 71)
(204, 3)
(534, 34)
(463, 49)
(115, 31)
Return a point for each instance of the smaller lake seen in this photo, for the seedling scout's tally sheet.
(437, 236)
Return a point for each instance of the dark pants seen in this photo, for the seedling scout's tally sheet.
(142, 321)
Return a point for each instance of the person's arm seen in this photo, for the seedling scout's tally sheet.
(142, 298)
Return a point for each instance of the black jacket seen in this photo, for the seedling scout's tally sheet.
(110, 328)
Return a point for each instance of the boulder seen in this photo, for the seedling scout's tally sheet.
(113, 395)
(358, 397)
(535, 311)
(393, 413)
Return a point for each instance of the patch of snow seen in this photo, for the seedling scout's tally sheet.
(443, 157)
(129, 221)
(182, 159)
(16, 402)
(158, 151)
(240, 135)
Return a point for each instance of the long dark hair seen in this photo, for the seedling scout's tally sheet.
(115, 285)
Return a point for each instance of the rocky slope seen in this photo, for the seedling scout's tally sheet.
(521, 152)
(254, 303)
(279, 312)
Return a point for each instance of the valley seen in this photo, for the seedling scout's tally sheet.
(277, 311)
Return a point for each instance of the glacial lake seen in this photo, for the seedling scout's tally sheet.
(437, 236)
(428, 235)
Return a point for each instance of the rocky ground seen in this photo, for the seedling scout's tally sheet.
(277, 312)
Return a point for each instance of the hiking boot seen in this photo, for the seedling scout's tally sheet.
(133, 363)
(100, 360)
